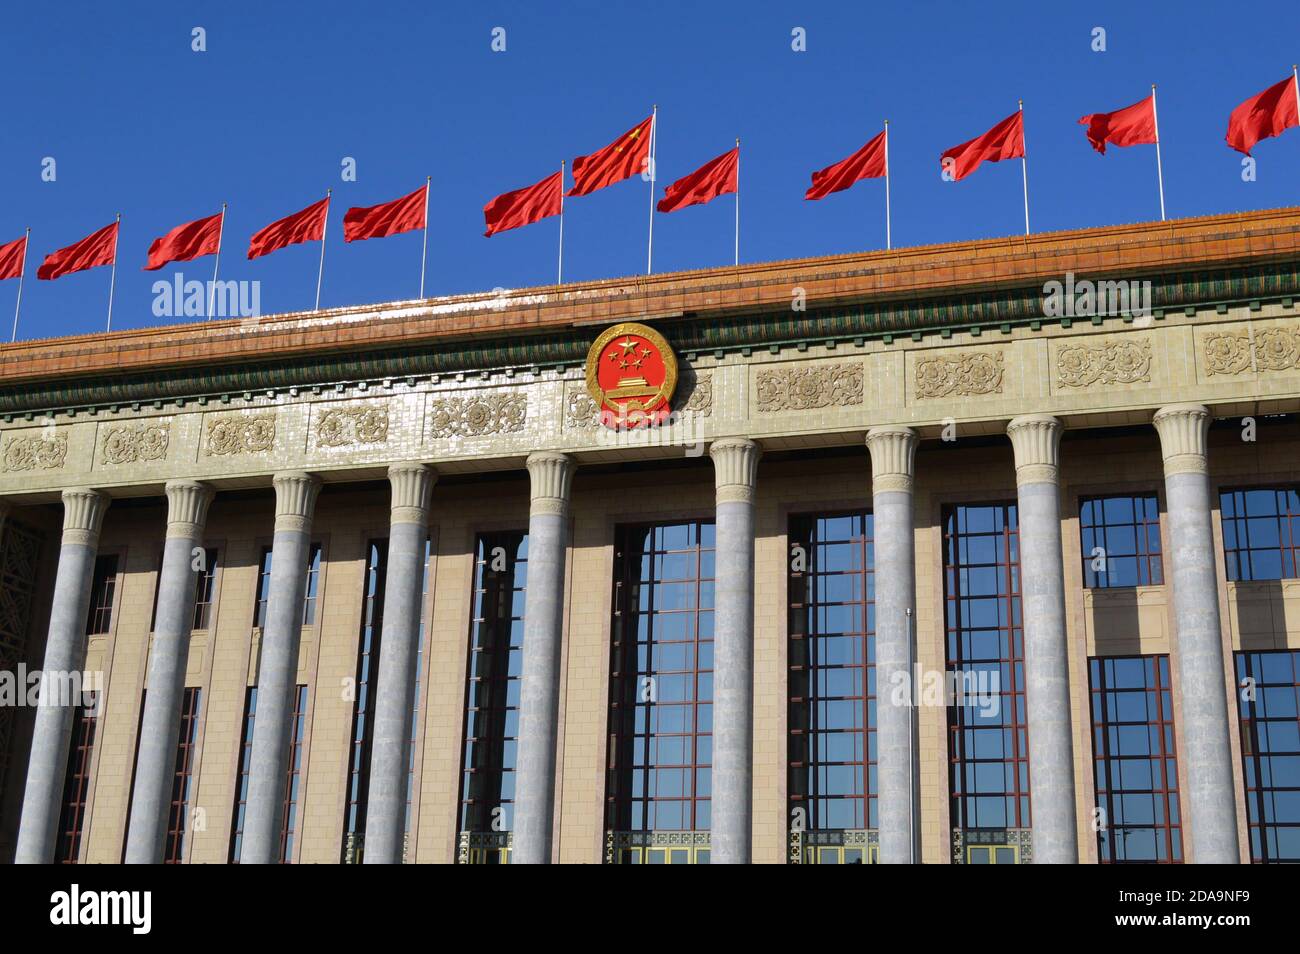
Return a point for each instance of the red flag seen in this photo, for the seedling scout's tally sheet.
(1131, 126)
(525, 206)
(387, 218)
(305, 226)
(186, 242)
(12, 257)
(1263, 115)
(98, 248)
(1006, 140)
(716, 177)
(867, 163)
(621, 159)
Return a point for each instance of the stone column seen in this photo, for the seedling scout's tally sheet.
(735, 464)
(1036, 439)
(893, 452)
(1210, 801)
(551, 476)
(155, 767)
(65, 653)
(295, 500)
(399, 647)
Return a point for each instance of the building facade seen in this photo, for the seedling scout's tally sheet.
(948, 554)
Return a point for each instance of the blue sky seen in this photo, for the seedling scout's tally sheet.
(139, 123)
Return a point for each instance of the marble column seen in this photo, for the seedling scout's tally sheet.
(155, 767)
(551, 476)
(735, 464)
(893, 453)
(1209, 804)
(1036, 439)
(65, 654)
(399, 647)
(295, 501)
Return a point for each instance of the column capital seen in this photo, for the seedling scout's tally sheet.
(412, 485)
(295, 499)
(83, 515)
(735, 467)
(1036, 441)
(1184, 431)
(187, 507)
(893, 458)
(551, 478)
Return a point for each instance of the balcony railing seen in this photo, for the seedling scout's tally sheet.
(484, 848)
(354, 847)
(837, 847)
(656, 847)
(992, 846)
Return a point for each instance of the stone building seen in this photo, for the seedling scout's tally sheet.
(379, 582)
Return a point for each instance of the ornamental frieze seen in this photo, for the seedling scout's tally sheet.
(1116, 362)
(803, 388)
(977, 372)
(240, 434)
(478, 415)
(30, 453)
(1233, 352)
(581, 412)
(129, 443)
(348, 426)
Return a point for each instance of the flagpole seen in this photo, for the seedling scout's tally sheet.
(323, 231)
(112, 280)
(1024, 163)
(559, 269)
(737, 200)
(888, 238)
(654, 138)
(1160, 173)
(424, 252)
(216, 264)
(22, 267)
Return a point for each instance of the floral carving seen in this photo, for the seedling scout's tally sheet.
(805, 388)
(1277, 349)
(1233, 352)
(29, 453)
(1117, 362)
(701, 400)
(238, 434)
(129, 443)
(478, 415)
(1227, 353)
(978, 372)
(346, 426)
(581, 412)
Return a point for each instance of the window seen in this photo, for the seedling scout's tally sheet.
(1261, 533)
(178, 819)
(76, 782)
(1134, 760)
(1267, 697)
(103, 586)
(203, 591)
(832, 681)
(661, 680)
(988, 745)
(291, 787)
(491, 727)
(309, 595)
(372, 624)
(1120, 539)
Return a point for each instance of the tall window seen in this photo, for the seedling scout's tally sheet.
(291, 786)
(203, 591)
(1268, 697)
(988, 747)
(178, 818)
(1134, 759)
(76, 782)
(1261, 533)
(661, 680)
(309, 596)
(832, 688)
(372, 623)
(495, 665)
(102, 588)
(1120, 540)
